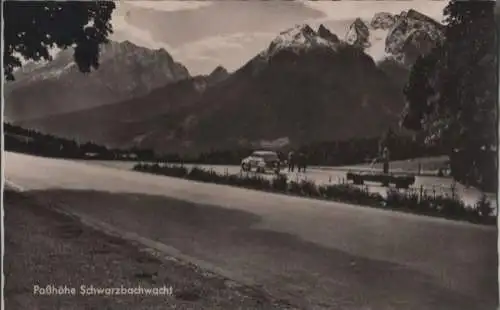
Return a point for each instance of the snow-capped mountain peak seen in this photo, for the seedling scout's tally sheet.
(383, 20)
(300, 38)
(403, 37)
(412, 34)
(358, 34)
(326, 34)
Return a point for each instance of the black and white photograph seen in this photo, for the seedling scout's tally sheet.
(232, 154)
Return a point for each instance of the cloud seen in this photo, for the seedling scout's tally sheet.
(232, 41)
(228, 34)
(123, 30)
(170, 6)
(341, 10)
(231, 50)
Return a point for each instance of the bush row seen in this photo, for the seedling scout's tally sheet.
(408, 200)
(450, 207)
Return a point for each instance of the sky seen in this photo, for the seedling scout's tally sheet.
(205, 34)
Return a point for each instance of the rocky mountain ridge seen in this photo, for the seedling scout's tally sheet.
(306, 86)
(403, 36)
(301, 38)
(125, 71)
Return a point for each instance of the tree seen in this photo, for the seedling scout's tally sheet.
(452, 92)
(33, 28)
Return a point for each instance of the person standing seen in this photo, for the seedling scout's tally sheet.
(291, 161)
(303, 162)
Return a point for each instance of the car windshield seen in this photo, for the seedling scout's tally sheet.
(266, 156)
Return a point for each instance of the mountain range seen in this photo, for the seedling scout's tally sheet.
(306, 86)
(125, 71)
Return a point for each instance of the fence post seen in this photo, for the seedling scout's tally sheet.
(453, 189)
(421, 192)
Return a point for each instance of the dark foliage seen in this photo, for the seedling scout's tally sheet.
(32, 28)
(351, 194)
(304, 188)
(167, 170)
(280, 183)
(452, 93)
(484, 207)
(357, 151)
(450, 207)
(335, 153)
(28, 141)
(408, 199)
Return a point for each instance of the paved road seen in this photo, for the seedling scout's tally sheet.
(316, 254)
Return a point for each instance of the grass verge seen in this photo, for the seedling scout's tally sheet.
(410, 200)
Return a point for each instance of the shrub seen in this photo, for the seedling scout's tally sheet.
(449, 206)
(233, 179)
(280, 183)
(394, 198)
(483, 207)
(304, 188)
(173, 171)
(309, 188)
(139, 167)
(257, 182)
(202, 175)
(295, 188)
(350, 193)
(154, 168)
(408, 199)
(416, 201)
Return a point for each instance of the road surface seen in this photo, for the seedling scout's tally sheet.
(315, 254)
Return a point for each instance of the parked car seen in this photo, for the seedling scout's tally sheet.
(262, 161)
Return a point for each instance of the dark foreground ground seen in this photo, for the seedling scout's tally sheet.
(46, 248)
